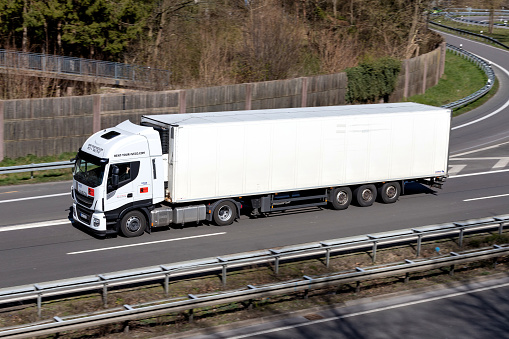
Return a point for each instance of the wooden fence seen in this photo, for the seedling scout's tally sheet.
(52, 126)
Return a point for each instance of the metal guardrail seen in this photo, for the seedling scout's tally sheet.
(461, 31)
(484, 66)
(36, 167)
(476, 22)
(248, 293)
(223, 263)
(84, 67)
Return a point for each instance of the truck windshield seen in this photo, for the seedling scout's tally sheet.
(89, 171)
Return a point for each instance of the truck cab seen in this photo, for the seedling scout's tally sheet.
(118, 176)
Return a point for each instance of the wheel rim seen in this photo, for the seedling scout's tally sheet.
(224, 213)
(391, 192)
(342, 197)
(367, 194)
(133, 224)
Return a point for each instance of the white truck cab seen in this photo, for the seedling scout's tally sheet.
(118, 175)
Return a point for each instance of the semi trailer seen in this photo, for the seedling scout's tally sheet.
(173, 169)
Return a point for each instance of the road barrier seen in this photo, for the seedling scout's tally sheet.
(243, 260)
(484, 66)
(248, 293)
(36, 167)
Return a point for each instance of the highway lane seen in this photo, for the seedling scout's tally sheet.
(61, 251)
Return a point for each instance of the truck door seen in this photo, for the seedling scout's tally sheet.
(123, 194)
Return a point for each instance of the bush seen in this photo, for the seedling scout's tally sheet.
(372, 80)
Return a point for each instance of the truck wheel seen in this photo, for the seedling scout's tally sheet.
(133, 224)
(341, 197)
(225, 213)
(389, 192)
(365, 195)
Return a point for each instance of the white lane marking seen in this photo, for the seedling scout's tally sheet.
(455, 169)
(489, 197)
(36, 197)
(480, 149)
(480, 173)
(376, 310)
(35, 225)
(501, 68)
(146, 243)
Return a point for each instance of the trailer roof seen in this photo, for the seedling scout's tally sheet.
(290, 113)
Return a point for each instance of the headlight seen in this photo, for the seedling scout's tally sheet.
(97, 222)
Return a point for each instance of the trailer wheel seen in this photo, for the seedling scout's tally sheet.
(133, 224)
(341, 197)
(389, 192)
(365, 195)
(225, 213)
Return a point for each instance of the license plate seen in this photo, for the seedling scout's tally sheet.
(83, 216)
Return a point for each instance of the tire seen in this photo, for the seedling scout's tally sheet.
(225, 213)
(340, 198)
(365, 195)
(133, 224)
(389, 192)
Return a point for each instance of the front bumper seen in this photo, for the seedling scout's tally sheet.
(95, 221)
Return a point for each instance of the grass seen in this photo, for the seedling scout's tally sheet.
(461, 78)
(38, 176)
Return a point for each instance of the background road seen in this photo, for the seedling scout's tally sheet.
(45, 251)
(479, 311)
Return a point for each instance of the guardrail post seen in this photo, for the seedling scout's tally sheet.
(375, 245)
(419, 243)
(105, 290)
(327, 257)
(225, 266)
(276, 260)
(39, 301)
(460, 240)
(500, 228)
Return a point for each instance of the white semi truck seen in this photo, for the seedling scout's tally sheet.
(180, 168)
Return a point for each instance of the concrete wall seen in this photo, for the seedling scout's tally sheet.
(54, 125)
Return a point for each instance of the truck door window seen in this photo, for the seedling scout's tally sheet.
(128, 171)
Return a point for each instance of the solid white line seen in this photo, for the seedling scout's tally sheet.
(489, 197)
(381, 309)
(501, 68)
(37, 197)
(475, 174)
(35, 225)
(146, 243)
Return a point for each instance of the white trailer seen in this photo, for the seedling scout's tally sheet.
(212, 166)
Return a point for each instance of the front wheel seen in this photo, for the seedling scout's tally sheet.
(133, 224)
(225, 213)
(365, 195)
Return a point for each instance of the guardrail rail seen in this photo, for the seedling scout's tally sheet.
(248, 293)
(243, 260)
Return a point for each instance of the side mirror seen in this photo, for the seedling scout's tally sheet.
(114, 176)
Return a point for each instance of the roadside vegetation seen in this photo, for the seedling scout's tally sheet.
(213, 42)
(461, 78)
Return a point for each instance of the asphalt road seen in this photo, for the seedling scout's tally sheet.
(479, 309)
(34, 250)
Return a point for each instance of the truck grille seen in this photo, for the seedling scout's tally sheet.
(84, 200)
(83, 214)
